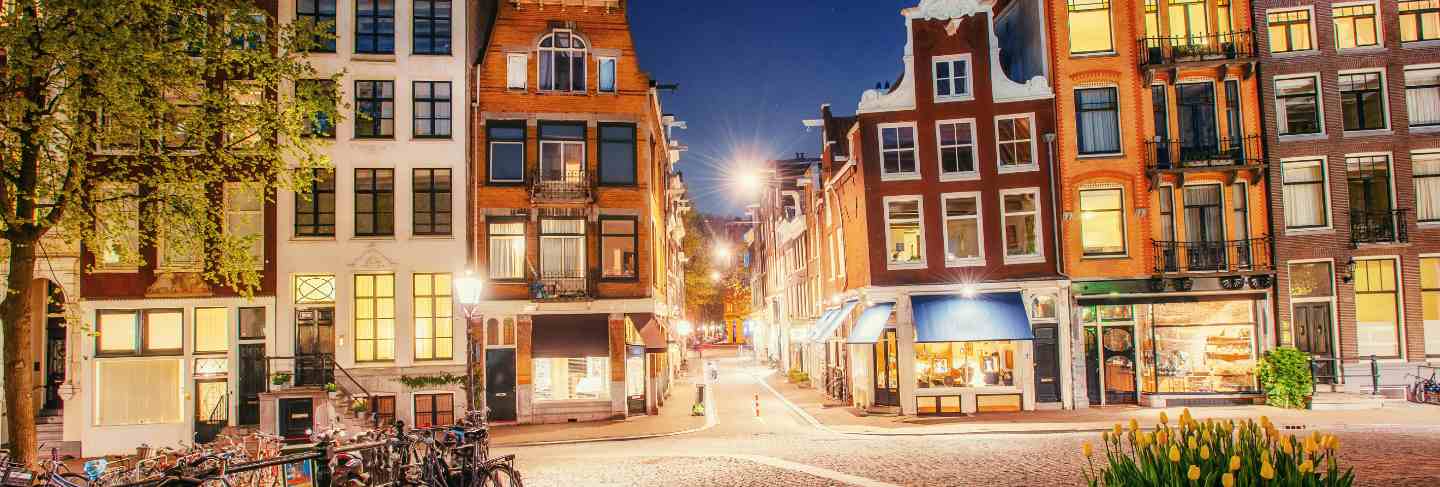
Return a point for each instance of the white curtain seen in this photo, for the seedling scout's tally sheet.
(507, 257)
(1427, 186)
(562, 255)
(137, 391)
(1100, 125)
(1423, 97)
(1304, 203)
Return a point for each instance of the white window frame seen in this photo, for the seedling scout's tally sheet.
(1379, 25)
(889, 235)
(1422, 153)
(1034, 164)
(974, 151)
(969, 86)
(1324, 163)
(1314, 36)
(1124, 220)
(1039, 256)
(1384, 99)
(1319, 106)
(979, 218)
(914, 150)
(600, 69)
(523, 73)
(1405, 70)
(543, 51)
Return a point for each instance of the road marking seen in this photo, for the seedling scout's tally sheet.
(813, 470)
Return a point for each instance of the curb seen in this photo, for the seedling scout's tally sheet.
(711, 419)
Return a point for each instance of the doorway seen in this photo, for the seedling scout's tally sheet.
(55, 338)
(1047, 362)
(1314, 334)
(212, 408)
(314, 345)
(253, 378)
(297, 418)
(500, 383)
(1110, 366)
(887, 370)
(635, 379)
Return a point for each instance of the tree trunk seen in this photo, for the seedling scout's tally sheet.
(15, 312)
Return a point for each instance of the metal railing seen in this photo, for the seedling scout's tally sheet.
(1378, 227)
(1246, 255)
(560, 288)
(318, 370)
(1325, 371)
(1164, 51)
(561, 186)
(1228, 152)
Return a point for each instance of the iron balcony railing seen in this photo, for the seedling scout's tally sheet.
(1248, 255)
(1385, 226)
(560, 287)
(1172, 50)
(1229, 152)
(561, 186)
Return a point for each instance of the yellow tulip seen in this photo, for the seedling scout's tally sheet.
(1205, 435)
(1227, 480)
(1205, 452)
(1161, 437)
(1087, 449)
(1310, 445)
(1285, 445)
(1194, 473)
(1306, 466)
(1267, 471)
(1174, 453)
(1234, 463)
(1134, 425)
(1163, 418)
(1334, 442)
(1190, 442)
(1116, 430)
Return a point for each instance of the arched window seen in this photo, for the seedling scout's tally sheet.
(562, 62)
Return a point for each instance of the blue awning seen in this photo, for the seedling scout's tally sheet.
(871, 323)
(820, 323)
(832, 321)
(990, 316)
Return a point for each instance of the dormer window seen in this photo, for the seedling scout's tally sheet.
(562, 62)
(952, 78)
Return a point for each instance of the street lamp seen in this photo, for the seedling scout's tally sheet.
(722, 252)
(467, 290)
(715, 275)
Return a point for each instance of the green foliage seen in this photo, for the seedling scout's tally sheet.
(431, 381)
(359, 405)
(700, 289)
(330, 387)
(798, 376)
(280, 378)
(1224, 453)
(1284, 373)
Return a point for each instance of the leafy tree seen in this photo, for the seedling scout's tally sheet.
(121, 117)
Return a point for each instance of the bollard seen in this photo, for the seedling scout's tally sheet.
(1374, 376)
(699, 408)
(757, 405)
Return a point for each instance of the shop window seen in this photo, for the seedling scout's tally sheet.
(1020, 212)
(434, 410)
(906, 239)
(1090, 27)
(315, 289)
(1290, 31)
(212, 330)
(252, 323)
(138, 392)
(571, 379)
(1102, 222)
(965, 364)
(1305, 197)
(1419, 20)
(434, 328)
(618, 243)
(1201, 347)
(145, 332)
(1430, 295)
(898, 151)
(1377, 309)
(374, 317)
(1355, 26)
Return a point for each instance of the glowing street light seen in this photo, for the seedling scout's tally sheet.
(715, 275)
(468, 289)
(684, 328)
(722, 252)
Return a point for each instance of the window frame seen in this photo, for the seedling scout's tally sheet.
(435, 413)
(314, 207)
(491, 142)
(490, 237)
(1039, 255)
(258, 215)
(1327, 212)
(1410, 117)
(1289, 31)
(550, 51)
(435, 116)
(333, 92)
(880, 129)
(1124, 221)
(1419, 20)
(1378, 27)
(584, 241)
(375, 191)
(1398, 292)
(377, 123)
(979, 218)
(1382, 91)
(1070, 6)
(434, 19)
(919, 220)
(224, 327)
(601, 142)
(634, 238)
(1034, 164)
(973, 147)
(376, 18)
(1319, 105)
(432, 193)
(583, 142)
(1419, 178)
(142, 333)
(374, 341)
(434, 317)
(524, 71)
(1080, 124)
(614, 74)
(328, 46)
(1425, 349)
(968, 77)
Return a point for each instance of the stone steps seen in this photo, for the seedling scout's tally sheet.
(1344, 401)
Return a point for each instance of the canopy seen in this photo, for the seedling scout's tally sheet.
(990, 316)
(821, 323)
(570, 336)
(871, 323)
(827, 326)
(654, 335)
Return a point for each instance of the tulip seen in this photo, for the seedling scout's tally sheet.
(1117, 430)
(1205, 452)
(1193, 473)
(1087, 449)
(1134, 425)
(1227, 480)
(1163, 418)
(1267, 471)
(1307, 466)
(1174, 453)
(1161, 437)
(1234, 463)
(1190, 442)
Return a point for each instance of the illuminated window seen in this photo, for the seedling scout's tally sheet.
(562, 62)
(1102, 222)
(965, 364)
(1430, 294)
(315, 289)
(898, 151)
(906, 238)
(1152, 20)
(434, 410)
(118, 333)
(1021, 216)
(963, 237)
(212, 330)
(1090, 27)
(1015, 141)
(500, 333)
(137, 392)
(507, 248)
(1419, 20)
(570, 379)
(1377, 309)
(434, 328)
(374, 317)
(1224, 19)
(619, 241)
(1355, 26)
(1188, 22)
(1290, 31)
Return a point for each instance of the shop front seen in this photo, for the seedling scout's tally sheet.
(571, 370)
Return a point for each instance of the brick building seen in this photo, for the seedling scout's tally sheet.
(1352, 118)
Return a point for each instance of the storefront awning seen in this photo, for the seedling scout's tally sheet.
(990, 316)
(821, 324)
(570, 336)
(654, 336)
(826, 328)
(871, 323)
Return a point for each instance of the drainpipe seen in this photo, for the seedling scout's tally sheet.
(1055, 205)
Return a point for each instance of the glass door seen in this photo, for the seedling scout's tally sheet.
(1195, 107)
(887, 370)
(1205, 228)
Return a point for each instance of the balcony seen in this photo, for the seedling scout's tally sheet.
(1249, 256)
(570, 186)
(1220, 154)
(1201, 50)
(1378, 227)
(560, 288)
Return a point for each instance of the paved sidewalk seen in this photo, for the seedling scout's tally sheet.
(845, 419)
(674, 418)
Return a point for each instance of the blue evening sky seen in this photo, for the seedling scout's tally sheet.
(751, 70)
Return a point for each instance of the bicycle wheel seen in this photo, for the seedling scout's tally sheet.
(502, 475)
(66, 479)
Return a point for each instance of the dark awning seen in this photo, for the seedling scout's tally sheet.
(989, 316)
(570, 336)
(871, 323)
(635, 322)
(654, 335)
(824, 329)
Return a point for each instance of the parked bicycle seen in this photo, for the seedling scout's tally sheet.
(1425, 389)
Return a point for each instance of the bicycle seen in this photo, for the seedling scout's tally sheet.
(1425, 390)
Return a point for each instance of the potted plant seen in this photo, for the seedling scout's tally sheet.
(280, 379)
(332, 390)
(359, 406)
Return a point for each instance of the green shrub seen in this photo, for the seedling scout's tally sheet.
(1284, 373)
(1224, 453)
(799, 376)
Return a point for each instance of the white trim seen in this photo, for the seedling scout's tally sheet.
(1379, 27)
(1034, 164)
(1384, 99)
(914, 150)
(890, 244)
(524, 73)
(1324, 163)
(1314, 42)
(1390, 163)
(1124, 220)
(1319, 106)
(979, 228)
(1039, 256)
(600, 70)
(969, 78)
(974, 151)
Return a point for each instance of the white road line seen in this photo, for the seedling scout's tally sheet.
(813, 470)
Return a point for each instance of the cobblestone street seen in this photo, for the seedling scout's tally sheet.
(783, 448)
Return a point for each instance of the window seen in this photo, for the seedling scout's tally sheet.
(1361, 95)
(318, 14)
(138, 392)
(432, 205)
(1371, 203)
(619, 242)
(507, 151)
(562, 62)
(119, 226)
(145, 332)
(1020, 212)
(517, 70)
(434, 410)
(212, 330)
(1189, 25)
(562, 249)
(315, 209)
(1311, 280)
(1427, 186)
(1289, 31)
(1240, 217)
(432, 109)
(965, 364)
(1097, 116)
(1297, 107)
(374, 317)
(315, 289)
(957, 148)
(1159, 111)
(117, 333)
(252, 323)
(434, 328)
(1102, 221)
(1015, 142)
(1377, 309)
(1355, 26)
(963, 238)
(385, 409)
(906, 243)
(374, 109)
(1419, 20)
(375, 26)
(617, 154)
(507, 248)
(180, 247)
(562, 152)
(572, 379)
(500, 333)
(1152, 20)
(432, 27)
(322, 93)
(1430, 295)
(1422, 96)
(607, 74)
(245, 218)
(952, 77)
(1307, 202)
(374, 202)
(1223, 18)
(1090, 27)
(897, 151)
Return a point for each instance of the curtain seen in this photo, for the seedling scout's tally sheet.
(138, 391)
(1203, 219)
(1304, 197)
(1099, 121)
(1423, 96)
(562, 249)
(507, 251)
(1427, 186)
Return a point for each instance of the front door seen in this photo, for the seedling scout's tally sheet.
(297, 417)
(635, 380)
(1313, 335)
(500, 383)
(54, 362)
(252, 382)
(887, 370)
(314, 340)
(1047, 363)
(212, 408)
(1118, 343)
(1092, 364)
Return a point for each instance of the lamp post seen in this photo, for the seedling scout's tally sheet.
(467, 291)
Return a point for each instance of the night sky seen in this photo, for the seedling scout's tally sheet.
(751, 70)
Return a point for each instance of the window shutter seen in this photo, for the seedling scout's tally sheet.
(515, 67)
